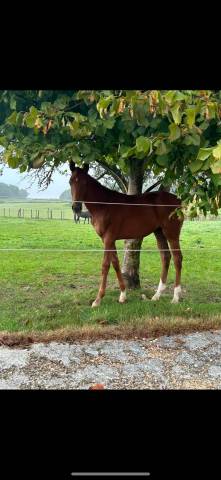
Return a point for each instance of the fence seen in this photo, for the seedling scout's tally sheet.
(60, 214)
(36, 214)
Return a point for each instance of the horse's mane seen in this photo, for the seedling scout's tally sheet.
(113, 195)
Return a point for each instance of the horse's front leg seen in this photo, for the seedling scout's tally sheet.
(105, 270)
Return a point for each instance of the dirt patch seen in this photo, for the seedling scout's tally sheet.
(102, 331)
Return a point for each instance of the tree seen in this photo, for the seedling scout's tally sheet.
(173, 136)
(66, 195)
(11, 191)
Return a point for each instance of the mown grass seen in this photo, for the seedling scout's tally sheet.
(53, 289)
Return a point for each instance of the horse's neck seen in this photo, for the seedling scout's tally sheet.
(95, 193)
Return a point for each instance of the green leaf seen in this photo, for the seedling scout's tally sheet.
(206, 164)
(129, 152)
(195, 166)
(19, 119)
(212, 109)
(195, 139)
(3, 141)
(176, 114)
(216, 167)
(12, 118)
(162, 148)
(109, 123)
(30, 118)
(84, 148)
(217, 152)
(179, 96)
(162, 160)
(143, 144)
(169, 97)
(61, 101)
(23, 168)
(13, 103)
(34, 111)
(35, 155)
(188, 140)
(191, 114)
(216, 179)
(49, 146)
(204, 153)
(104, 103)
(12, 161)
(90, 158)
(76, 158)
(79, 118)
(174, 132)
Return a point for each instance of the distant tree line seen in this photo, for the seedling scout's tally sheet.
(66, 195)
(11, 191)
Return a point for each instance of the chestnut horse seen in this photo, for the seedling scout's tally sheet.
(116, 216)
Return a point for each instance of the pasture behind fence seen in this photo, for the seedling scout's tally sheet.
(36, 213)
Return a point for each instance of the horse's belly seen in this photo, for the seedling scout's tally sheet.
(133, 229)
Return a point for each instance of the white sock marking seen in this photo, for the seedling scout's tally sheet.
(161, 288)
(123, 296)
(176, 295)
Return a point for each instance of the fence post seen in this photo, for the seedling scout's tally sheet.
(51, 215)
(38, 214)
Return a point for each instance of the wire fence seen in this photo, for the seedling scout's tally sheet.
(36, 213)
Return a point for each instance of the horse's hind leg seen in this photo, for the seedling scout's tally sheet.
(177, 258)
(116, 265)
(165, 259)
(172, 235)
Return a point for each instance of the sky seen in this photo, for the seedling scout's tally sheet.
(20, 180)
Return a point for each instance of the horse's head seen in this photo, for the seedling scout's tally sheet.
(78, 183)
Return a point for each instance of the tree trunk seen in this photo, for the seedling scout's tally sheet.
(131, 262)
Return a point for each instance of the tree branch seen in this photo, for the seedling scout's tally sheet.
(118, 177)
(153, 186)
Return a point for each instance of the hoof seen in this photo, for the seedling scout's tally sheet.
(155, 297)
(175, 300)
(143, 296)
(95, 304)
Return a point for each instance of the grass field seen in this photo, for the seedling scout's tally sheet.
(42, 290)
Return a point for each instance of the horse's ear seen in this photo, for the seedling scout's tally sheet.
(86, 167)
(72, 166)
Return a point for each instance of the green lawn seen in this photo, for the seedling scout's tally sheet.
(54, 288)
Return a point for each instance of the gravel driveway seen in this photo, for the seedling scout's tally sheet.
(190, 361)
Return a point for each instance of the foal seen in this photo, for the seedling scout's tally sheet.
(122, 221)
